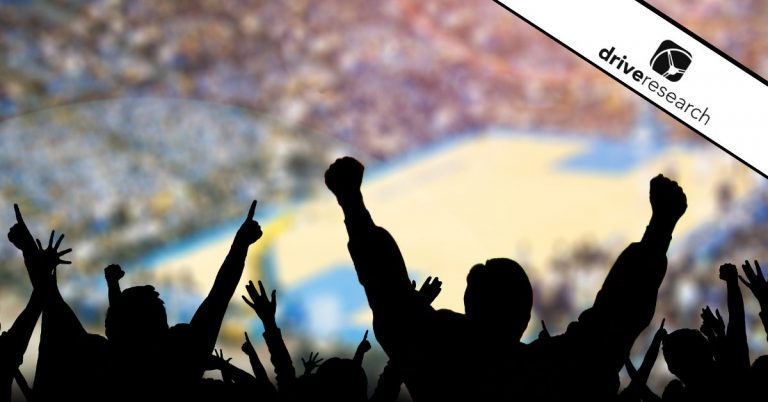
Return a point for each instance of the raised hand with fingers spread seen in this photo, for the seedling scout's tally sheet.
(264, 307)
(40, 262)
(712, 325)
(218, 361)
(311, 363)
(756, 282)
(430, 289)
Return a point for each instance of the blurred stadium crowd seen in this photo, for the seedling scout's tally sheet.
(446, 66)
(128, 189)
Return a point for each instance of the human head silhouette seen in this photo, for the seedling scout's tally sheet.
(137, 318)
(499, 296)
(688, 355)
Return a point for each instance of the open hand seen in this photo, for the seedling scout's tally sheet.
(429, 289)
(263, 306)
(756, 282)
(311, 363)
(712, 327)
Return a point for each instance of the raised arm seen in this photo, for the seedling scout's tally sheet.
(757, 284)
(362, 349)
(207, 320)
(625, 304)
(379, 264)
(256, 366)
(65, 347)
(736, 336)
(638, 387)
(41, 265)
(13, 345)
(265, 389)
(281, 359)
(15, 341)
(113, 273)
(633, 282)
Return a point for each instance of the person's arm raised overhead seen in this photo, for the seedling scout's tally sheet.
(256, 366)
(65, 346)
(281, 359)
(14, 342)
(362, 349)
(206, 322)
(41, 265)
(626, 302)
(713, 328)
(634, 280)
(757, 284)
(113, 273)
(668, 203)
(638, 387)
(736, 345)
(379, 264)
(311, 363)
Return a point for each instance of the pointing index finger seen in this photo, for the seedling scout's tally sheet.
(252, 210)
(19, 218)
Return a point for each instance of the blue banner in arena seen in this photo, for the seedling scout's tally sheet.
(665, 63)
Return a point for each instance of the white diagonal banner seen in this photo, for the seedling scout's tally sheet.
(660, 61)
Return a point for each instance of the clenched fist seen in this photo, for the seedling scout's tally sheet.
(344, 177)
(668, 200)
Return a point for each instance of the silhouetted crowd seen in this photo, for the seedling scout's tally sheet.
(439, 355)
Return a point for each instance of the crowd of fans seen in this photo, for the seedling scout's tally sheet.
(447, 66)
(436, 354)
(145, 185)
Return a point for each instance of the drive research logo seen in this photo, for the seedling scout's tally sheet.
(671, 60)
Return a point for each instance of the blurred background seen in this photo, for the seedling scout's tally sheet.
(143, 129)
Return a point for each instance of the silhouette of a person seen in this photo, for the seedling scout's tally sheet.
(142, 358)
(446, 355)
